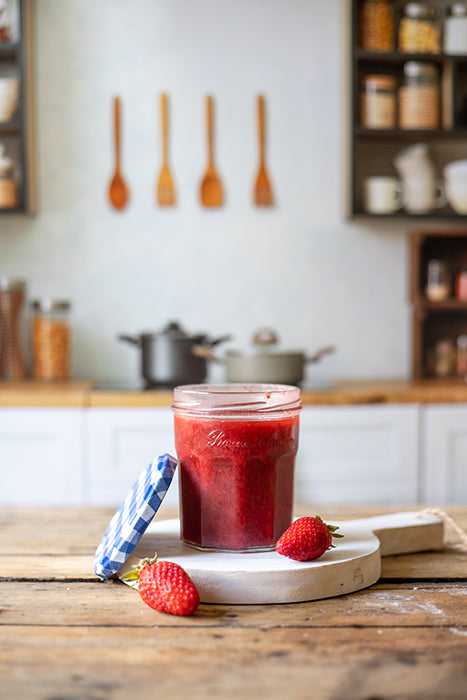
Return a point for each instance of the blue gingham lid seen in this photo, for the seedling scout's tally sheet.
(134, 515)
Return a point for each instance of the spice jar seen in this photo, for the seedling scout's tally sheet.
(461, 358)
(461, 285)
(438, 285)
(445, 358)
(419, 96)
(236, 445)
(378, 102)
(419, 29)
(12, 298)
(376, 25)
(51, 339)
(455, 29)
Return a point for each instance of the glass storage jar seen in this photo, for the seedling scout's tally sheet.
(438, 284)
(461, 357)
(378, 102)
(419, 96)
(236, 444)
(455, 29)
(376, 25)
(12, 298)
(445, 358)
(51, 339)
(419, 29)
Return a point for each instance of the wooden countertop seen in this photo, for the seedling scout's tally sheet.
(65, 634)
(85, 393)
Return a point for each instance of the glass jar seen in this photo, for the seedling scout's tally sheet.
(455, 29)
(376, 25)
(445, 358)
(419, 29)
(51, 339)
(236, 444)
(419, 97)
(438, 285)
(378, 102)
(12, 298)
(461, 285)
(461, 359)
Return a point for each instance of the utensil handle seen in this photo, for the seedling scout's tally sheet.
(134, 340)
(209, 129)
(261, 138)
(165, 128)
(117, 131)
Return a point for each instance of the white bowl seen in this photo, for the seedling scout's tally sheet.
(456, 170)
(9, 98)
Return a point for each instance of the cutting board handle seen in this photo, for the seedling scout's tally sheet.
(403, 533)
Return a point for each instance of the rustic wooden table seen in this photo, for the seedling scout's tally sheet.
(65, 634)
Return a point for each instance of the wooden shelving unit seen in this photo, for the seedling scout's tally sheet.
(18, 135)
(433, 321)
(371, 151)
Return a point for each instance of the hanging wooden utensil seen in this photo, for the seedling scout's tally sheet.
(211, 193)
(165, 186)
(263, 194)
(118, 190)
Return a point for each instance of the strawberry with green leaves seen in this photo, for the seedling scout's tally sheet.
(306, 539)
(165, 586)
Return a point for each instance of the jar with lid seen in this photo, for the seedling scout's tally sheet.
(8, 184)
(51, 339)
(236, 444)
(378, 102)
(461, 359)
(445, 358)
(438, 285)
(419, 29)
(419, 96)
(12, 298)
(455, 29)
(376, 25)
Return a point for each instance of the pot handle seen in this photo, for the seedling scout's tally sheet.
(205, 352)
(211, 343)
(133, 339)
(326, 350)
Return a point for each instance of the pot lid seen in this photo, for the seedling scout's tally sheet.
(131, 520)
(173, 331)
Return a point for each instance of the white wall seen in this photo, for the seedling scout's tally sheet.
(298, 267)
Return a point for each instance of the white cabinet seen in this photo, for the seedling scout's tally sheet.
(444, 453)
(120, 443)
(41, 455)
(358, 454)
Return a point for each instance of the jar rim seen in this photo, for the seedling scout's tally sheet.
(236, 399)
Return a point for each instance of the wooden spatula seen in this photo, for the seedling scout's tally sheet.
(263, 195)
(165, 186)
(118, 189)
(211, 193)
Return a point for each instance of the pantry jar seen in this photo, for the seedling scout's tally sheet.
(378, 102)
(419, 96)
(376, 25)
(455, 29)
(419, 29)
(438, 283)
(236, 445)
(51, 339)
(12, 300)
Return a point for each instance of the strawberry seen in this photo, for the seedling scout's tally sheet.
(165, 586)
(307, 538)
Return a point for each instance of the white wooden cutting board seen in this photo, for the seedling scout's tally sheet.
(268, 577)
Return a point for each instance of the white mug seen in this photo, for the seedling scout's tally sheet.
(382, 194)
(422, 194)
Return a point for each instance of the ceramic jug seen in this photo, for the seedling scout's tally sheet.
(421, 191)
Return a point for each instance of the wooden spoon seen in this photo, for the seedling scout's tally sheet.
(118, 190)
(211, 193)
(165, 186)
(263, 195)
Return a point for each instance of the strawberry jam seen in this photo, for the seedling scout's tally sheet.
(236, 445)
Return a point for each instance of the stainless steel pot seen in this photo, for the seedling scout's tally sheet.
(169, 357)
(263, 365)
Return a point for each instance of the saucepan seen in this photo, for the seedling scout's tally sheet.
(171, 356)
(261, 364)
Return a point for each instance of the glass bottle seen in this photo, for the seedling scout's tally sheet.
(51, 339)
(12, 298)
(236, 444)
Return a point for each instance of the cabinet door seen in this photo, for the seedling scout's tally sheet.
(444, 454)
(358, 454)
(121, 442)
(41, 456)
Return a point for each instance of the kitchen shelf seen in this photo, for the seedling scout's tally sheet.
(18, 135)
(433, 321)
(372, 151)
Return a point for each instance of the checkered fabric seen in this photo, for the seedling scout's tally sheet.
(134, 515)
